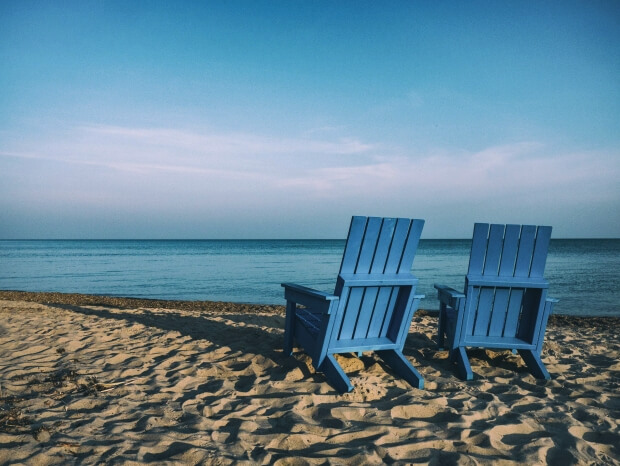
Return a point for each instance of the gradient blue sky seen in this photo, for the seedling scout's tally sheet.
(281, 119)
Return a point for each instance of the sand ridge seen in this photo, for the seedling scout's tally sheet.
(88, 383)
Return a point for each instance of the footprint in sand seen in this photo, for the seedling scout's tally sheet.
(426, 411)
(515, 435)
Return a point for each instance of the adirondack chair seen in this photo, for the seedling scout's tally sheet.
(504, 304)
(372, 305)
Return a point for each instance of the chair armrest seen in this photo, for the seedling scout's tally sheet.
(378, 279)
(552, 300)
(308, 297)
(448, 296)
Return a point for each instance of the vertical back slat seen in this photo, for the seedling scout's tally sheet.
(383, 245)
(365, 313)
(385, 325)
(513, 313)
(478, 248)
(353, 245)
(498, 315)
(483, 314)
(351, 311)
(532, 306)
(472, 308)
(369, 245)
(509, 253)
(494, 250)
(541, 247)
(526, 248)
(381, 309)
(411, 246)
(401, 232)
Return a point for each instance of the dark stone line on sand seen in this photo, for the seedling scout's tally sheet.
(76, 299)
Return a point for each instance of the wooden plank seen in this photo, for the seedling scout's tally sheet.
(478, 248)
(380, 313)
(497, 342)
(366, 311)
(411, 246)
(399, 314)
(526, 248)
(470, 310)
(351, 312)
(513, 313)
(509, 252)
(517, 282)
(387, 321)
(383, 245)
(369, 245)
(494, 250)
(498, 315)
(541, 248)
(353, 245)
(401, 233)
(532, 306)
(362, 344)
(483, 313)
(378, 279)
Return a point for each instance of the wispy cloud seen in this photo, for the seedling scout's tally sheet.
(181, 151)
(520, 169)
(231, 143)
(337, 168)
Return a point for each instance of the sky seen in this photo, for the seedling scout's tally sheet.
(282, 119)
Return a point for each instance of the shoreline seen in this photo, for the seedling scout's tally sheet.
(78, 299)
(85, 379)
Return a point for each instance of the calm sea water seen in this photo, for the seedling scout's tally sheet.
(583, 274)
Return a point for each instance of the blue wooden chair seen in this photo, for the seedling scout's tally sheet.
(504, 304)
(372, 306)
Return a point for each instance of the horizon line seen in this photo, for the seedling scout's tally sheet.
(266, 239)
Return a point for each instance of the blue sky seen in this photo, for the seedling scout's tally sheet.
(282, 119)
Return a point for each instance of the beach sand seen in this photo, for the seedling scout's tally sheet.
(88, 379)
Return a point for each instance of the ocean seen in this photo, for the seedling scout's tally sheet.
(583, 273)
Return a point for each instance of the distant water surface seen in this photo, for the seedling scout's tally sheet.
(583, 274)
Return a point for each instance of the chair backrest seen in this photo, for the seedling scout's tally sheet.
(504, 285)
(375, 246)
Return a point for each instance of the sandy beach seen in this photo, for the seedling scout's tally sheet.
(86, 379)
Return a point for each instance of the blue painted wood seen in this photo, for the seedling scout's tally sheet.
(373, 302)
(540, 252)
(500, 308)
(513, 313)
(504, 304)
(389, 311)
(522, 282)
(493, 250)
(383, 246)
(380, 312)
(509, 252)
(478, 248)
(526, 249)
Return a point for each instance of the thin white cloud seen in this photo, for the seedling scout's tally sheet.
(156, 150)
(230, 143)
(316, 168)
(521, 169)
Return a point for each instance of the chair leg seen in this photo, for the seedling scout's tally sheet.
(334, 373)
(535, 364)
(399, 364)
(462, 361)
(441, 327)
(289, 326)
